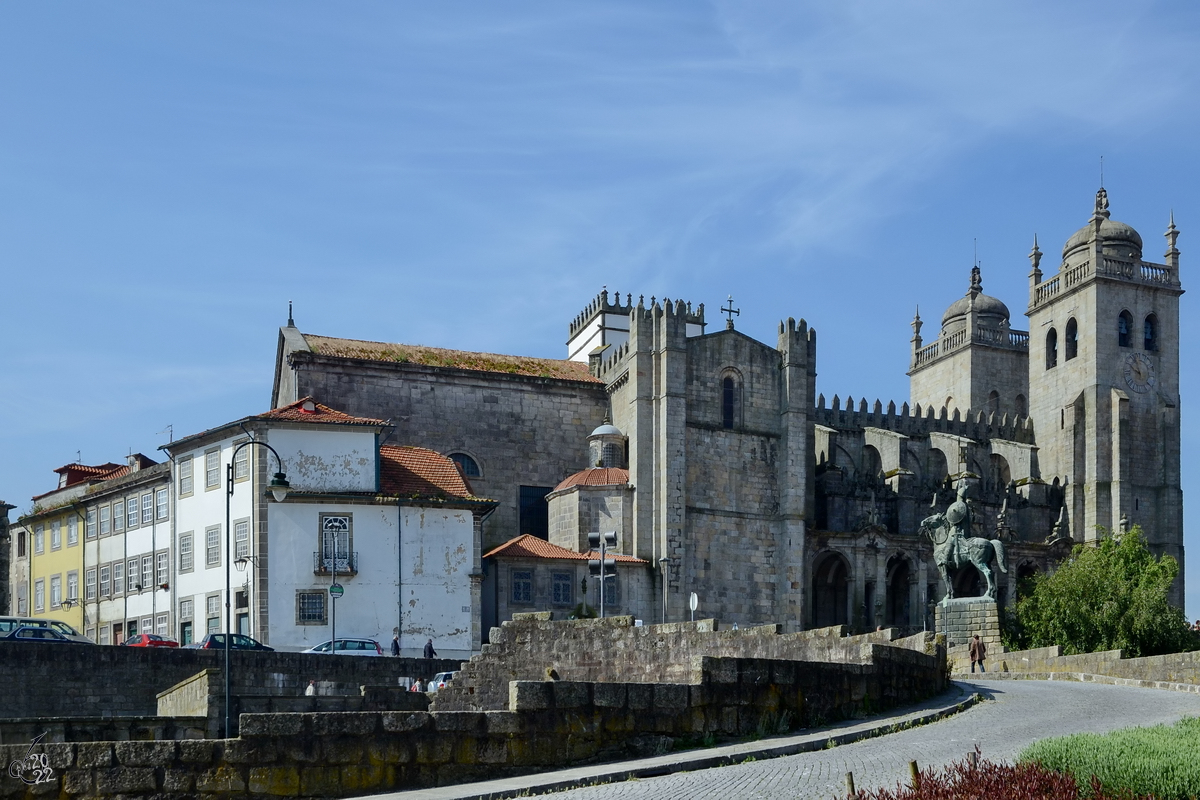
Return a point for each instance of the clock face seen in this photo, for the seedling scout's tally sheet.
(1138, 370)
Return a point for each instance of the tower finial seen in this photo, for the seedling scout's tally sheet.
(1035, 258)
(291, 322)
(1101, 172)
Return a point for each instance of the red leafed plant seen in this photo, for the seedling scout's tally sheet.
(986, 780)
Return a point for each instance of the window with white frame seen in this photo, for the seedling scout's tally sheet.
(56, 535)
(185, 552)
(73, 585)
(212, 546)
(105, 524)
(105, 581)
(118, 577)
(310, 607)
(104, 634)
(148, 571)
(241, 538)
(89, 524)
(39, 595)
(131, 575)
(118, 516)
(212, 609)
(55, 591)
(72, 530)
(162, 561)
(186, 608)
(241, 463)
(89, 584)
(147, 624)
(131, 513)
(160, 624)
(337, 539)
(212, 468)
(147, 508)
(39, 540)
(185, 476)
(160, 504)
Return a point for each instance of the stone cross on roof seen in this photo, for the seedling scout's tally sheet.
(730, 312)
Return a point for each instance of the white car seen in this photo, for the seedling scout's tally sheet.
(349, 647)
(440, 680)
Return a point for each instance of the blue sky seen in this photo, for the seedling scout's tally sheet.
(470, 174)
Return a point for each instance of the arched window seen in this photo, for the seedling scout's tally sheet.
(1151, 333)
(1052, 349)
(994, 402)
(1124, 326)
(1000, 475)
(872, 464)
(935, 465)
(1072, 339)
(466, 465)
(730, 395)
(1022, 407)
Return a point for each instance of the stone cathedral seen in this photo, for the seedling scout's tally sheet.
(724, 474)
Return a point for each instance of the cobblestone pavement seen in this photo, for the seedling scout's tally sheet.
(1016, 714)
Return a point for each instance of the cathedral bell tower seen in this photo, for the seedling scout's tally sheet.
(1104, 382)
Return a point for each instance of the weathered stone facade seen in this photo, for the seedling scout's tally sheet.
(746, 489)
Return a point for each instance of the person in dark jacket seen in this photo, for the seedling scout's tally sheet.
(429, 651)
(978, 653)
(395, 644)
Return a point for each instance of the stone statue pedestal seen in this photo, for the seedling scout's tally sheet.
(962, 617)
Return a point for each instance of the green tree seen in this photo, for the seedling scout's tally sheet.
(1111, 596)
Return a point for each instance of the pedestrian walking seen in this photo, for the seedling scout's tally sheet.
(978, 653)
(311, 689)
(395, 644)
(429, 651)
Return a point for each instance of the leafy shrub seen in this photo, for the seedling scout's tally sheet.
(1111, 596)
(1159, 761)
(987, 781)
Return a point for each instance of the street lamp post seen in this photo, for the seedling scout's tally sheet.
(279, 488)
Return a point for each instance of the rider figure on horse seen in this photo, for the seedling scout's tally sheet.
(959, 517)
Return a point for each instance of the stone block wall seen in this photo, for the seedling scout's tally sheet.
(125, 681)
(961, 619)
(550, 724)
(100, 729)
(613, 650)
(1171, 668)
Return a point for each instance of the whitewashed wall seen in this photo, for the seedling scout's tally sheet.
(437, 559)
(323, 459)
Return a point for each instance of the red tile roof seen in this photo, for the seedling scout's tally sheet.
(457, 359)
(418, 472)
(527, 546)
(596, 476)
(84, 473)
(308, 410)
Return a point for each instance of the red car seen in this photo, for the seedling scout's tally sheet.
(149, 640)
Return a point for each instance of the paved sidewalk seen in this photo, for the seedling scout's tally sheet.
(957, 698)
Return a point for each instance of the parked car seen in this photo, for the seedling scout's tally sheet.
(149, 640)
(216, 641)
(35, 633)
(10, 624)
(349, 647)
(440, 680)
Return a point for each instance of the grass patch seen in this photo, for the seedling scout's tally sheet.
(1159, 761)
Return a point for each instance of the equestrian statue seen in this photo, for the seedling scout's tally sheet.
(953, 548)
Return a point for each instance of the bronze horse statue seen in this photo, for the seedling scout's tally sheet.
(952, 550)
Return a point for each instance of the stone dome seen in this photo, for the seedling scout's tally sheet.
(607, 429)
(1113, 234)
(991, 309)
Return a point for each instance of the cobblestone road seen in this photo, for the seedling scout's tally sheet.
(1017, 713)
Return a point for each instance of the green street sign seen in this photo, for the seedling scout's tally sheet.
(336, 590)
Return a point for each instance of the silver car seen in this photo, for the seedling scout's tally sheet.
(349, 647)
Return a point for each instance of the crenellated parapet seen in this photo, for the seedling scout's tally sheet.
(605, 324)
(920, 422)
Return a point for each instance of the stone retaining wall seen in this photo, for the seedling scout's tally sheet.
(548, 725)
(1171, 668)
(613, 650)
(98, 681)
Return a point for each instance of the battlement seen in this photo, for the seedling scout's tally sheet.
(978, 425)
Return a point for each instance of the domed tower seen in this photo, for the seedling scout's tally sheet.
(1104, 381)
(977, 362)
(596, 499)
